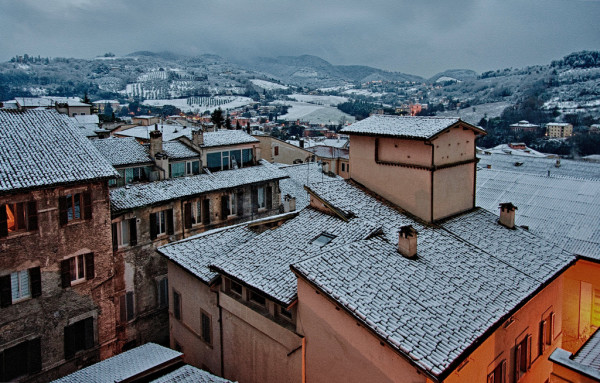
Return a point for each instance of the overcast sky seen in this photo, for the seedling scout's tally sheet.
(421, 37)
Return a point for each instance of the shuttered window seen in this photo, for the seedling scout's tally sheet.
(79, 336)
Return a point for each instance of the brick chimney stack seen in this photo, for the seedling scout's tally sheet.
(155, 141)
(507, 215)
(198, 137)
(407, 241)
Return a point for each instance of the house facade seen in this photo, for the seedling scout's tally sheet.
(146, 216)
(57, 274)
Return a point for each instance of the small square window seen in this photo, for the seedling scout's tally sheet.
(235, 288)
(257, 298)
(323, 239)
(285, 313)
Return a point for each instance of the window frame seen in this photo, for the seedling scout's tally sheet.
(522, 356)
(501, 370)
(6, 288)
(70, 276)
(206, 327)
(28, 217)
(162, 292)
(79, 336)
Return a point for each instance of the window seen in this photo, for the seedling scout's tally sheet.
(76, 206)
(285, 313)
(276, 150)
(226, 159)
(498, 375)
(22, 359)
(230, 204)
(136, 174)
(192, 168)
(19, 286)
(77, 269)
(262, 198)
(323, 239)
(255, 297)
(206, 327)
(235, 288)
(161, 222)
(79, 336)
(522, 357)
(343, 167)
(17, 217)
(192, 213)
(546, 332)
(124, 233)
(176, 305)
(126, 307)
(163, 292)
(177, 169)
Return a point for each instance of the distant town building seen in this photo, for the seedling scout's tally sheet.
(559, 130)
(524, 126)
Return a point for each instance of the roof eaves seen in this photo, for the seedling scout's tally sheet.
(465, 125)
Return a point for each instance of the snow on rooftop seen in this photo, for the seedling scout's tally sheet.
(563, 210)
(190, 374)
(177, 150)
(139, 195)
(300, 175)
(400, 126)
(124, 366)
(123, 151)
(540, 166)
(43, 148)
(227, 137)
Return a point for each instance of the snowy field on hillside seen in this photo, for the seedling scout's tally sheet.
(319, 100)
(474, 114)
(363, 92)
(315, 114)
(268, 85)
(202, 104)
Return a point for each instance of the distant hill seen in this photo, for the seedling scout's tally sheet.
(457, 74)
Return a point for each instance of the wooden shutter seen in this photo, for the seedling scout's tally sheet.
(89, 266)
(130, 312)
(70, 336)
(65, 272)
(490, 378)
(518, 363)
(63, 206)
(152, 225)
(206, 211)
(206, 328)
(34, 356)
(32, 220)
(503, 377)
(123, 309)
(224, 209)
(115, 239)
(132, 232)
(88, 332)
(170, 228)
(187, 215)
(87, 205)
(529, 342)
(269, 197)
(5, 293)
(35, 279)
(543, 330)
(3, 221)
(551, 328)
(240, 204)
(254, 200)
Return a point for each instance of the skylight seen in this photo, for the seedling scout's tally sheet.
(323, 239)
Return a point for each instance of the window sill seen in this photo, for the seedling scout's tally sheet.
(21, 300)
(19, 234)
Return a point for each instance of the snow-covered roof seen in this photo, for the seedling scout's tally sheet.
(525, 124)
(169, 132)
(329, 152)
(300, 175)
(585, 362)
(403, 127)
(541, 166)
(87, 119)
(177, 150)
(42, 148)
(123, 151)
(506, 149)
(227, 137)
(134, 196)
(470, 274)
(563, 210)
(190, 374)
(128, 365)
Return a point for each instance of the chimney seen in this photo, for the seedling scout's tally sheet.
(507, 215)
(198, 137)
(155, 141)
(557, 164)
(289, 203)
(407, 241)
(301, 143)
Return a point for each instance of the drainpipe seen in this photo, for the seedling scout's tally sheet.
(221, 333)
(304, 360)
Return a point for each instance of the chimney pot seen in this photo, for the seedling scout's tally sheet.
(155, 142)
(407, 241)
(507, 215)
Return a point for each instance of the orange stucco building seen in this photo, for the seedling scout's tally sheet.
(394, 276)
